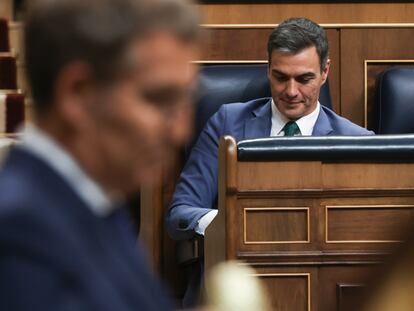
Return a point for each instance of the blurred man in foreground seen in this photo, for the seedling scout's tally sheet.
(111, 83)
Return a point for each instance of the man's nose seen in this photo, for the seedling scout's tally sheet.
(292, 88)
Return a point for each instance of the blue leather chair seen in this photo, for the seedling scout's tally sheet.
(223, 84)
(394, 102)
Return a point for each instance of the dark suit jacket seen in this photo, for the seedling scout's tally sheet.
(196, 191)
(55, 254)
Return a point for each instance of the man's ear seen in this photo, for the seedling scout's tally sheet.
(74, 93)
(325, 71)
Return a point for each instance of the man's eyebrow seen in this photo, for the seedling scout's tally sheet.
(307, 75)
(303, 75)
(280, 73)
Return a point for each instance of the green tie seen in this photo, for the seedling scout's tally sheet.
(291, 128)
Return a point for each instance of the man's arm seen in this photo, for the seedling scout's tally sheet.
(196, 191)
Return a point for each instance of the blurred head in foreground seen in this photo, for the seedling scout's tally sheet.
(112, 81)
(232, 286)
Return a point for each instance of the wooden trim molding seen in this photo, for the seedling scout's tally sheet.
(229, 62)
(324, 193)
(327, 26)
(10, 91)
(307, 275)
(246, 210)
(8, 54)
(374, 206)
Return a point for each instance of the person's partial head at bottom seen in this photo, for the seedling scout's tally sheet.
(298, 66)
(112, 81)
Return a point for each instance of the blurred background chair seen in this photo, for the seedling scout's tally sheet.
(394, 101)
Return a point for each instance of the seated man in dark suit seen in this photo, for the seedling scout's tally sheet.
(111, 82)
(298, 67)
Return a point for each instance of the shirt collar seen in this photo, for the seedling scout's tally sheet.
(305, 124)
(46, 148)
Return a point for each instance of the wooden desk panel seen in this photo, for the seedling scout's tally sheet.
(336, 232)
(367, 223)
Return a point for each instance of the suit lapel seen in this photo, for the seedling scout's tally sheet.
(322, 126)
(260, 124)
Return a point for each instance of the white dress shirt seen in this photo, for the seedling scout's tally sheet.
(305, 124)
(44, 147)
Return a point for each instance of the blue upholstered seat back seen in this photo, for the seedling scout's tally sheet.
(223, 84)
(394, 102)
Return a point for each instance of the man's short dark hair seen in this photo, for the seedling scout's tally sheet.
(296, 34)
(97, 32)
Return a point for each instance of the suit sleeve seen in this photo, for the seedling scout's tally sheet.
(196, 190)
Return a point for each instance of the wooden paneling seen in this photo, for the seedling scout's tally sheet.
(350, 229)
(367, 224)
(367, 175)
(327, 175)
(16, 33)
(343, 298)
(395, 286)
(276, 225)
(288, 291)
(358, 45)
(288, 175)
(343, 229)
(348, 294)
(296, 229)
(322, 13)
(152, 239)
(334, 71)
(289, 288)
(236, 44)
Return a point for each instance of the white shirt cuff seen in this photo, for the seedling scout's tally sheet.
(205, 221)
